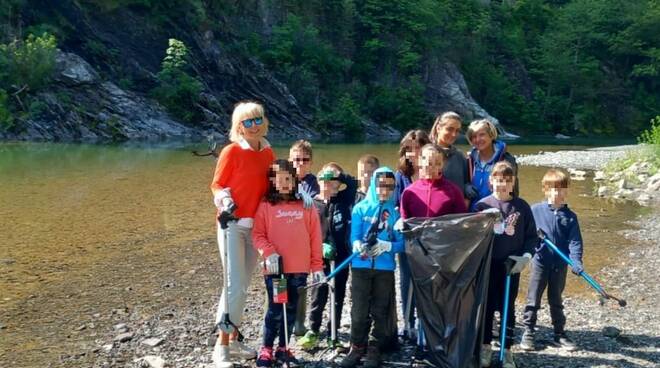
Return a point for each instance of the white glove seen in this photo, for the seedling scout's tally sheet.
(399, 225)
(358, 247)
(272, 264)
(306, 197)
(318, 276)
(380, 247)
(222, 199)
(521, 262)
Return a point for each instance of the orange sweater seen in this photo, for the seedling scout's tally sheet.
(246, 172)
(291, 231)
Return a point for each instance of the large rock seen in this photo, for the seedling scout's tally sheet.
(72, 70)
(446, 90)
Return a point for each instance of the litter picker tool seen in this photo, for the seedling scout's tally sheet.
(332, 274)
(505, 311)
(604, 295)
(226, 325)
(281, 296)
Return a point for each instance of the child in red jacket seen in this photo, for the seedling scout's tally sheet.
(285, 233)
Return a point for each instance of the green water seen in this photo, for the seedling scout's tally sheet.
(86, 229)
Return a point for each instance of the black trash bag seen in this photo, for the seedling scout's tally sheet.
(449, 258)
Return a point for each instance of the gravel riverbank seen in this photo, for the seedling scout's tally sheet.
(590, 159)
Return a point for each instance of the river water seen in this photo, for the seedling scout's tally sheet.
(88, 230)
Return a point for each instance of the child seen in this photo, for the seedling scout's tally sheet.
(300, 155)
(515, 239)
(334, 202)
(366, 166)
(372, 280)
(561, 225)
(284, 229)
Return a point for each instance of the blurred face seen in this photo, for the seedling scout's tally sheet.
(253, 128)
(364, 172)
(384, 187)
(556, 196)
(301, 161)
(481, 140)
(329, 188)
(448, 133)
(283, 181)
(430, 164)
(412, 150)
(502, 186)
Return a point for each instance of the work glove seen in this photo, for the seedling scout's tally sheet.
(399, 225)
(318, 276)
(380, 247)
(222, 199)
(521, 262)
(328, 251)
(359, 247)
(306, 196)
(272, 264)
(577, 268)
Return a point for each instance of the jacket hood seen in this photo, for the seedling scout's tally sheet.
(372, 196)
(499, 148)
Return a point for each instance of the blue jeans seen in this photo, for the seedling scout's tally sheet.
(274, 324)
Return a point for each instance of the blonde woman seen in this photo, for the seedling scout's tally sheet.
(444, 133)
(486, 152)
(240, 179)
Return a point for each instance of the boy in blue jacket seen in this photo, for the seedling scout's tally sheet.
(548, 270)
(372, 273)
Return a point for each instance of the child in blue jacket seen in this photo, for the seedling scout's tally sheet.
(548, 270)
(372, 272)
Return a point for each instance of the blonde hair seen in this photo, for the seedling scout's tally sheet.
(242, 111)
(477, 125)
(302, 145)
(554, 178)
(442, 120)
(504, 169)
(369, 159)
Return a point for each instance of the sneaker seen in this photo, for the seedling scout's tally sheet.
(372, 360)
(562, 341)
(486, 355)
(283, 355)
(240, 350)
(353, 358)
(265, 358)
(508, 359)
(221, 357)
(309, 341)
(527, 340)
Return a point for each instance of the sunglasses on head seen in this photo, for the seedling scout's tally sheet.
(248, 122)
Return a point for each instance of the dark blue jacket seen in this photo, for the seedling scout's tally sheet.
(480, 171)
(402, 182)
(563, 230)
(335, 215)
(310, 184)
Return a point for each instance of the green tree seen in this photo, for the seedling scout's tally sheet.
(27, 64)
(177, 90)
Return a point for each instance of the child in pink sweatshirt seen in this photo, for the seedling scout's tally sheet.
(289, 236)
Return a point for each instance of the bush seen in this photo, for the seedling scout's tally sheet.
(177, 90)
(28, 62)
(6, 118)
(652, 138)
(346, 115)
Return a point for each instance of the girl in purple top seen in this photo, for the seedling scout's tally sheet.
(430, 196)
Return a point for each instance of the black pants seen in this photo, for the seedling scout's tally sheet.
(495, 301)
(371, 291)
(274, 319)
(554, 277)
(320, 296)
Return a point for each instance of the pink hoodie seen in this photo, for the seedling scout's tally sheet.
(291, 231)
(431, 198)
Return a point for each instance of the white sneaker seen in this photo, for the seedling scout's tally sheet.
(241, 350)
(508, 360)
(220, 356)
(486, 355)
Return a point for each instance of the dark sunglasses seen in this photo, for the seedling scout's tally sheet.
(248, 122)
(302, 159)
(387, 186)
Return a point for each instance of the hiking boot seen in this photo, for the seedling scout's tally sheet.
(240, 350)
(299, 328)
(372, 360)
(265, 358)
(562, 341)
(309, 341)
(285, 356)
(508, 359)
(221, 357)
(486, 355)
(527, 340)
(353, 357)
